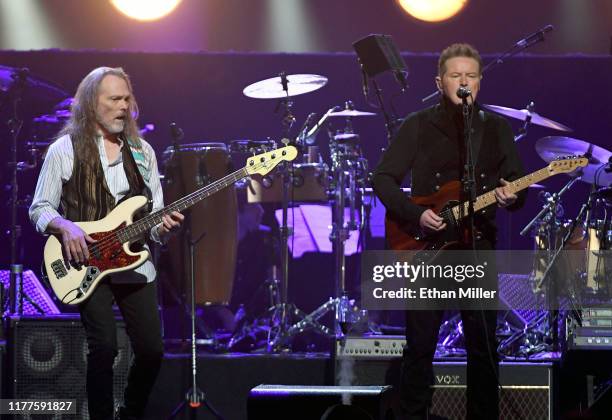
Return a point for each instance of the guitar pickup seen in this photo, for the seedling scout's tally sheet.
(59, 269)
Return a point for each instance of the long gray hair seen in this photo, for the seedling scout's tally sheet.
(82, 126)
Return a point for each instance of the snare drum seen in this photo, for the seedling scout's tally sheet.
(187, 168)
(309, 182)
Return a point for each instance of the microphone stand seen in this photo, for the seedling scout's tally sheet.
(552, 202)
(552, 296)
(194, 396)
(469, 178)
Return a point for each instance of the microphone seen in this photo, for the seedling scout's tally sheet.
(534, 37)
(312, 133)
(302, 137)
(463, 92)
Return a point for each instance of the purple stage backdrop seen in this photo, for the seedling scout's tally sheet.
(202, 93)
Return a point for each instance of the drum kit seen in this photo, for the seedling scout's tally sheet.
(340, 184)
(571, 265)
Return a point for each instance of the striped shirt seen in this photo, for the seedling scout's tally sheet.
(57, 170)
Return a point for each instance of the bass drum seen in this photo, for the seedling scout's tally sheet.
(189, 167)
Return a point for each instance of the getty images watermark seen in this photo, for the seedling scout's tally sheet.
(465, 279)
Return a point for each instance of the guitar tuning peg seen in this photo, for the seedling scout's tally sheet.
(285, 141)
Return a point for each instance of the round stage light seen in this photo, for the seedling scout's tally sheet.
(145, 9)
(432, 10)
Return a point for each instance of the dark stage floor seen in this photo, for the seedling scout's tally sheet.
(226, 379)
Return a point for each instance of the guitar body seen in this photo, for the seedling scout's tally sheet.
(445, 202)
(73, 284)
(408, 237)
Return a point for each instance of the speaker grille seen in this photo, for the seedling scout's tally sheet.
(49, 359)
(516, 402)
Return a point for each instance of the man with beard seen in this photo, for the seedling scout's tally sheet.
(430, 146)
(97, 160)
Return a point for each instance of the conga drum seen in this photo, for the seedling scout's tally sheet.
(187, 168)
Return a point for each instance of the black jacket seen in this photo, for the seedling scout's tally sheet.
(429, 146)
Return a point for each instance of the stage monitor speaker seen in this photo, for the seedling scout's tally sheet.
(378, 53)
(296, 402)
(47, 359)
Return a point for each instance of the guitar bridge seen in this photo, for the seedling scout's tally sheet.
(59, 270)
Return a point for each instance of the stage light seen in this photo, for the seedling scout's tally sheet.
(145, 9)
(432, 10)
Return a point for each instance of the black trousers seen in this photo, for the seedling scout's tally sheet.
(138, 305)
(422, 329)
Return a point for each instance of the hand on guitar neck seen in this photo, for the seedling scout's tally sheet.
(171, 223)
(504, 196)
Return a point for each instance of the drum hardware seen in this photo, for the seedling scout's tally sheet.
(351, 113)
(528, 116)
(309, 136)
(284, 87)
(550, 148)
(20, 88)
(348, 172)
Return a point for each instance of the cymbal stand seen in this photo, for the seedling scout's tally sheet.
(16, 292)
(545, 329)
(345, 178)
(282, 330)
(526, 123)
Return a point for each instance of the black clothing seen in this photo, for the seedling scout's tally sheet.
(138, 305)
(430, 147)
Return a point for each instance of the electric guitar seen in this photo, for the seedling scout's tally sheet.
(73, 283)
(445, 203)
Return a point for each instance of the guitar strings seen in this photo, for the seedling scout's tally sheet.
(111, 240)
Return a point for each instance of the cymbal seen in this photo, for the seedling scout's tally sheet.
(536, 186)
(523, 114)
(351, 113)
(35, 89)
(58, 117)
(554, 147)
(65, 104)
(297, 84)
